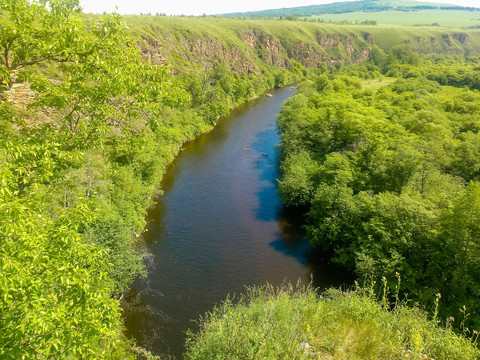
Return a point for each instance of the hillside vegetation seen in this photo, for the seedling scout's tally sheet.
(459, 19)
(87, 130)
(297, 323)
(390, 174)
(345, 7)
(250, 46)
(91, 114)
(373, 12)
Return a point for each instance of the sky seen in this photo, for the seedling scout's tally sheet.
(199, 7)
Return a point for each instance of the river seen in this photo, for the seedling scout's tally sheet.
(218, 227)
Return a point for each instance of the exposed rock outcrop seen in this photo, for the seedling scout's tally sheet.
(463, 38)
(368, 38)
(267, 48)
(247, 48)
(446, 39)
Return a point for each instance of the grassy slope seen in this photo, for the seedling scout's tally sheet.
(347, 336)
(294, 323)
(387, 12)
(177, 38)
(168, 35)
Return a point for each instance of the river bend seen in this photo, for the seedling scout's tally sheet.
(218, 227)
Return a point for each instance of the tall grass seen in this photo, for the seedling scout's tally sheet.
(294, 322)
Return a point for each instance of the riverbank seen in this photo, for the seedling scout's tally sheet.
(219, 226)
(82, 157)
(80, 161)
(295, 322)
(215, 228)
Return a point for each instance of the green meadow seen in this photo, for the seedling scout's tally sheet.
(444, 18)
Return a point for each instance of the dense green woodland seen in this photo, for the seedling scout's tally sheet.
(88, 127)
(384, 155)
(390, 174)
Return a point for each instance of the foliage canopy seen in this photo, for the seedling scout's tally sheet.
(390, 176)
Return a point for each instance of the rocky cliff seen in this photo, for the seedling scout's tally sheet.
(248, 46)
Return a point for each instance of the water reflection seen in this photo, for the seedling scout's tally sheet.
(218, 227)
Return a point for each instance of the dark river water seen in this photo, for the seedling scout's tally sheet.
(218, 227)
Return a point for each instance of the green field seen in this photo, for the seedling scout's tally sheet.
(446, 18)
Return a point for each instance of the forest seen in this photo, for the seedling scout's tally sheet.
(84, 147)
(383, 153)
(382, 157)
(389, 173)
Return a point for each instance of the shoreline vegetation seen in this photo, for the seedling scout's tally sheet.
(296, 322)
(92, 113)
(390, 174)
(87, 130)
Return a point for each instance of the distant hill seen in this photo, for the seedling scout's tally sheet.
(350, 7)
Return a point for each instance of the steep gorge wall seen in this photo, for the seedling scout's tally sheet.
(254, 48)
(248, 46)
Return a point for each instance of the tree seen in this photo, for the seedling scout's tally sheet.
(54, 290)
(377, 56)
(101, 79)
(56, 282)
(384, 179)
(461, 252)
(34, 34)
